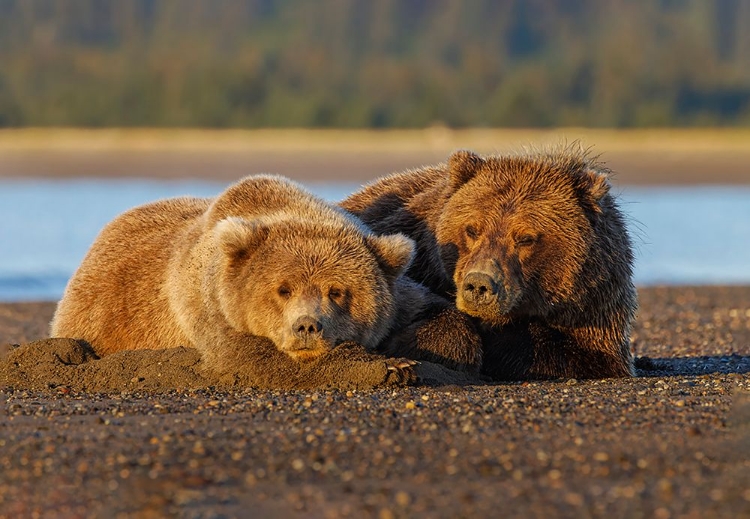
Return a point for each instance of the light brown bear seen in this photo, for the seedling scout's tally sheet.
(532, 245)
(265, 259)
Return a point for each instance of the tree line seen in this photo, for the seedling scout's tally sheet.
(374, 64)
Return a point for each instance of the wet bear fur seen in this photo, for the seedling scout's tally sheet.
(532, 245)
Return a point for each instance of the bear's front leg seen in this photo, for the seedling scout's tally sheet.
(354, 366)
(430, 328)
(535, 351)
(253, 361)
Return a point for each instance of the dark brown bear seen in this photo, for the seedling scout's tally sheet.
(532, 245)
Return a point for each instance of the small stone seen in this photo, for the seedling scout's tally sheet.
(386, 514)
(601, 456)
(403, 499)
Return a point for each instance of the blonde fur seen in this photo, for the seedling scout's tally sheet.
(208, 273)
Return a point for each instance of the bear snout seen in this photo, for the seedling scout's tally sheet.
(479, 288)
(490, 297)
(306, 327)
(305, 340)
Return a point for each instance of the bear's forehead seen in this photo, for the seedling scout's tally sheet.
(507, 193)
(527, 177)
(317, 244)
(503, 201)
(319, 272)
(320, 251)
(300, 230)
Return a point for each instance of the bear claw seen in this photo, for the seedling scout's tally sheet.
(401, 364)
(400, 371)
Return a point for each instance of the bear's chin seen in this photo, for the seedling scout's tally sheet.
(489, 314)
(306, 355)
(302, 352)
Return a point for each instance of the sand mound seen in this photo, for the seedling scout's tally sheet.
(66, 363)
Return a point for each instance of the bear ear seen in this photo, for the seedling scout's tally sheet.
(463, 165)
(393, 252)
(595, 187)
(239, 238)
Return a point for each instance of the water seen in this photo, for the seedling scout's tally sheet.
(695, 235)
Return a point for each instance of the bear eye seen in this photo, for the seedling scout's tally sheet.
(525, 240)
(284, 291)
(335, 293)
(471, 232)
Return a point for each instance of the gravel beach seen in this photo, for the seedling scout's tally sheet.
(672, 442)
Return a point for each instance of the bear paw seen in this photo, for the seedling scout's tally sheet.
(350, 365)
(400, 372)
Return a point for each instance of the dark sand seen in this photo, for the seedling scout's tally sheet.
(673, 442)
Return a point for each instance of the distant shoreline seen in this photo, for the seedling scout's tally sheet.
(637, 157)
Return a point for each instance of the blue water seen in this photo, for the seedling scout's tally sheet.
(696, 235)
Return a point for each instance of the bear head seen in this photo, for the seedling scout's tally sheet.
(308, 284)
(516, 232)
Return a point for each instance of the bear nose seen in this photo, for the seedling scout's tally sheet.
(306, 325)
(478, 288)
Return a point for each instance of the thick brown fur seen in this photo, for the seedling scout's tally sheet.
(265, 259)
(532, 245)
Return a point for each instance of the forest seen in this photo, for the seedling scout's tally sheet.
(374, 63)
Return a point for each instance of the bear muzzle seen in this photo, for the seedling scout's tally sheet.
(479, 289)
(484, 295)
(306, 339)
(306, 327)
